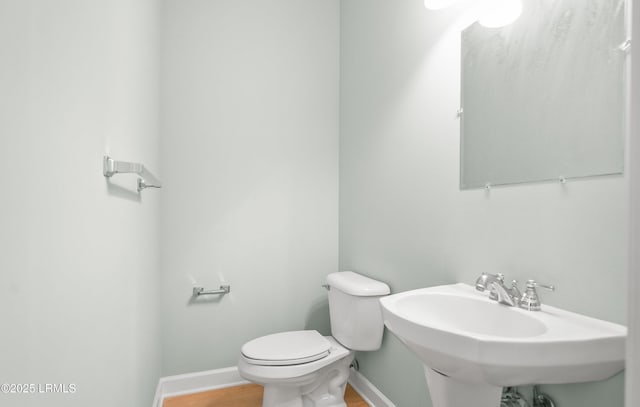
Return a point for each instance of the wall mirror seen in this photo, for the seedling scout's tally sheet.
(543, 98)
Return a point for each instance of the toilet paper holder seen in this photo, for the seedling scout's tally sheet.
(224, 289)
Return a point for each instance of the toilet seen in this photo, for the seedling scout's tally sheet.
(306, 369)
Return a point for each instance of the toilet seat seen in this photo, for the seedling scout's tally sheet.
(277, 374)
(286, 349)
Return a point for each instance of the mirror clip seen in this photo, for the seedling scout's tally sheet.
(625, 46)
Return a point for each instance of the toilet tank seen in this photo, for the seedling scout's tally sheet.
(354, 308)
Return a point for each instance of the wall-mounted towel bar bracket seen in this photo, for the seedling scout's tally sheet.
(224, 289)
(110, 167)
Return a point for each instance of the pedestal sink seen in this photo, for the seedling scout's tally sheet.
(472, 346)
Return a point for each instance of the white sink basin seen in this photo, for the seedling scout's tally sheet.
(468, 339)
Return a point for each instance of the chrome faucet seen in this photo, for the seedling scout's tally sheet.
(514, 291)
(497, 290)
(503, 296)
(484, 282)
(511, 296)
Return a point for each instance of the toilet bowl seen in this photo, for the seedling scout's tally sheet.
(306, 369)
(319, 380)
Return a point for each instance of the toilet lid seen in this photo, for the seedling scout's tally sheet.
(287, 348)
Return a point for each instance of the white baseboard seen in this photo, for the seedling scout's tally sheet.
(368, 391)
(190, 383)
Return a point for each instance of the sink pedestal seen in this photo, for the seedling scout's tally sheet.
(447, 392)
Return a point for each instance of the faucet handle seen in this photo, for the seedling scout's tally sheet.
(534, 284)
(530, 299)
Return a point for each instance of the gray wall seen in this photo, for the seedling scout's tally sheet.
(633, 343)
(249, 118)
(249, 144)
(404, 220)
(78, 264)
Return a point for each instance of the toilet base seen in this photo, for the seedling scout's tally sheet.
(287, 396)
(324, 388)
(284, 396)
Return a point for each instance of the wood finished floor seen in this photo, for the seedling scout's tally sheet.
(248, 395)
